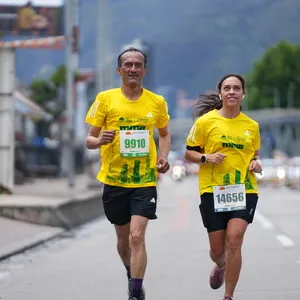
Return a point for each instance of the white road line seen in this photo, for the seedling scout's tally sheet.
(264, 222)
(4, 275)
(285, 240)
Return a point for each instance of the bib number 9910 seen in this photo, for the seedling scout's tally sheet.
(135, 143)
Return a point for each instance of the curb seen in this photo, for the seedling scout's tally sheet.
(20, 247)
(67, 214)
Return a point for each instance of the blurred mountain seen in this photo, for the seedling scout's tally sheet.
(195, 42)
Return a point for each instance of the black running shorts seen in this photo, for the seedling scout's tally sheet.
(121, 203)
(214, 221)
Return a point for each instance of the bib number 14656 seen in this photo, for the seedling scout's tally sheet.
(229, 197)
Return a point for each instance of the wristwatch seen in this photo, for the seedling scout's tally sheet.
(203, 159)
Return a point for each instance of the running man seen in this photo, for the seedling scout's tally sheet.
(225, 142)
(122, 122)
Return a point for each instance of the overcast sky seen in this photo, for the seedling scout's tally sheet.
(34, 2)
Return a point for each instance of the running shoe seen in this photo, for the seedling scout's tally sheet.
(216, 278)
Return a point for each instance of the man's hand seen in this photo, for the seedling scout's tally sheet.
(215, 158)
(162, 165)
(93, 142)
(107, 137)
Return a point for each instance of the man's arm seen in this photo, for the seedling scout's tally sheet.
(164, 138)
(92, 141)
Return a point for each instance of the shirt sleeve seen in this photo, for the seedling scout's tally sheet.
(196, 137)
(163, 115)
(256, 142)
(96, 114)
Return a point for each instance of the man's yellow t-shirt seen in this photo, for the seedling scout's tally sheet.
(130, 160)
(237, 138)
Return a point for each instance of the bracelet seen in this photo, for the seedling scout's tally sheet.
(256, 159)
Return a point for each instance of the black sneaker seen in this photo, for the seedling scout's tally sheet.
(142, 295)
(132, 298)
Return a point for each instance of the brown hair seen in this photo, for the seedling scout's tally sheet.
(208, 102)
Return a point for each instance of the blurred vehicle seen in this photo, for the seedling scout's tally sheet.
(293, 172)
(178, 172)
(192, 168)
(273, 172)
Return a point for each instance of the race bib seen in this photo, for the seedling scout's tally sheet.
(134, 143)
(229, 197)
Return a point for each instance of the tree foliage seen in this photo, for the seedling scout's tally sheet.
(47, 92)
(59, 77)
(275, 78)
(42, 91)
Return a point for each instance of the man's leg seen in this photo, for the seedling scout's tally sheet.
(143, 208)
(235, 234)
(123, 245)
(116, 203)
(138, 260)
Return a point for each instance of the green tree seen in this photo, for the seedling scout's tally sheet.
(59, 77)
(275, 78)
(47, 92)
(42, 91)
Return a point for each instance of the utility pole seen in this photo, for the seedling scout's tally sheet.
(104, 57)
(71, 46)
(101, 43)
(7, 131)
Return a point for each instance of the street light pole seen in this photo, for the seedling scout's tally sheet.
(71, 44)
(100, 45)
(7, 131)
(104, 76)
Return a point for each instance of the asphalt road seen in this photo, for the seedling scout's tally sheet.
(84, 265)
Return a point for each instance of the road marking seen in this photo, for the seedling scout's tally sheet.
(17, 266)
(285, 240)
(264, 222)
(4, 275)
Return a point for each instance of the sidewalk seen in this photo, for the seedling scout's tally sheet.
(43, 209)
(18, 236)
